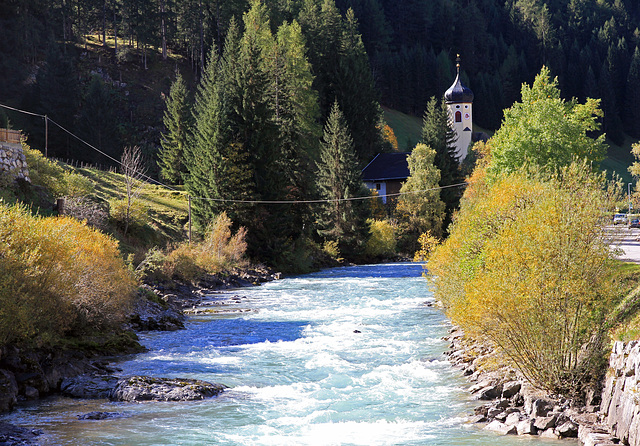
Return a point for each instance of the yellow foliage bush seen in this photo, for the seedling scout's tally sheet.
(219, 250)
(58, 181)
(138, 213)
(56, 274)
(331, 248)
(527, 265)
(382, 238)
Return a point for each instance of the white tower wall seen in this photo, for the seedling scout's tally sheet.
(462, 127)
(459, 101)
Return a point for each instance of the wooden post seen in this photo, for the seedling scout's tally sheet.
(60, 206)
(189, 219)
(46, 136)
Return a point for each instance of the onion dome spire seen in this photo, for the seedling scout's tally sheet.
(458, 92)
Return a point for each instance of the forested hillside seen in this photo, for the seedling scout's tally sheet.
(274, 100)
(591, 45)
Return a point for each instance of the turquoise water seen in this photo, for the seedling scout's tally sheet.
(347, 356)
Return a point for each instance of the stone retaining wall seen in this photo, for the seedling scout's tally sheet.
(12, 161)
(621, 394)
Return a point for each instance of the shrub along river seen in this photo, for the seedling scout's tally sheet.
(346, 356)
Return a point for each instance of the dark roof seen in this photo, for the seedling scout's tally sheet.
(387, 166)
(458, 92)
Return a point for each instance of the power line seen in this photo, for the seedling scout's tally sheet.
(225, 200)
(142, 175)
(22, 111)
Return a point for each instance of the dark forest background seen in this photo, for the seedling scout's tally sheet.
(54, 59)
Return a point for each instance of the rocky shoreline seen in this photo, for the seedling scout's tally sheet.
(29, 375)
(509, 405)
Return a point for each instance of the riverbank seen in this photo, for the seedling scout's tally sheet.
(510, 405)
(83, 370)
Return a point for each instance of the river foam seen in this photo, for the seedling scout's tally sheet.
(347, 356)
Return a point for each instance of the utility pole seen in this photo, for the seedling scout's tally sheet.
(46, 136)
(629, 196)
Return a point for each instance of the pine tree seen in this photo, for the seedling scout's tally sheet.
(204, 155)
(438, 134)
(296, 113)
(177, 121)
(253, 123)
(240, 178)
(339, 179)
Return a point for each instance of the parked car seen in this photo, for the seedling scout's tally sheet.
(620, 219)
(635, 223)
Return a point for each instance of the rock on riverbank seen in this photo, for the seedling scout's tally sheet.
(27, 375)
(161, 306)
(139, 388)
(509, 405)
(621, 394)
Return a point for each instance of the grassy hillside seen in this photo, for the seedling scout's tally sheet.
(166, 210)
(158, 214)
(407, 128)
(619, 159)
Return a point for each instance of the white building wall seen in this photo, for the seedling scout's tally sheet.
(380, 187)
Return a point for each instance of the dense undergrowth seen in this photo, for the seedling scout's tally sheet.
(57, 277)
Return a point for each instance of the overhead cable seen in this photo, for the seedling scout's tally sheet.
(225, 200)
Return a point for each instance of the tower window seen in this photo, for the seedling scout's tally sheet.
(458, 116)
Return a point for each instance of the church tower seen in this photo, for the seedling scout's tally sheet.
(459, 100)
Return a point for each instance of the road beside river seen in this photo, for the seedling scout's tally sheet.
(627, 240)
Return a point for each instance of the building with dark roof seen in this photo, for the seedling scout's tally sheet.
(386, 173)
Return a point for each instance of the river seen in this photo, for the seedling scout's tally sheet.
(346, 356)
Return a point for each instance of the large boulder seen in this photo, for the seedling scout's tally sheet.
(504, 429)
(511, 389)
(490, 392)
(144, 388)
(89, 386)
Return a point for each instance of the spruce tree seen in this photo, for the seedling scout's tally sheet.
(177, 121)
(339, 180)
(438, 134)
(253, 117)
(356, 91)
(296, 113)
(204, 155)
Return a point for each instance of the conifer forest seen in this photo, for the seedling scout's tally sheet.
(282, 100)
